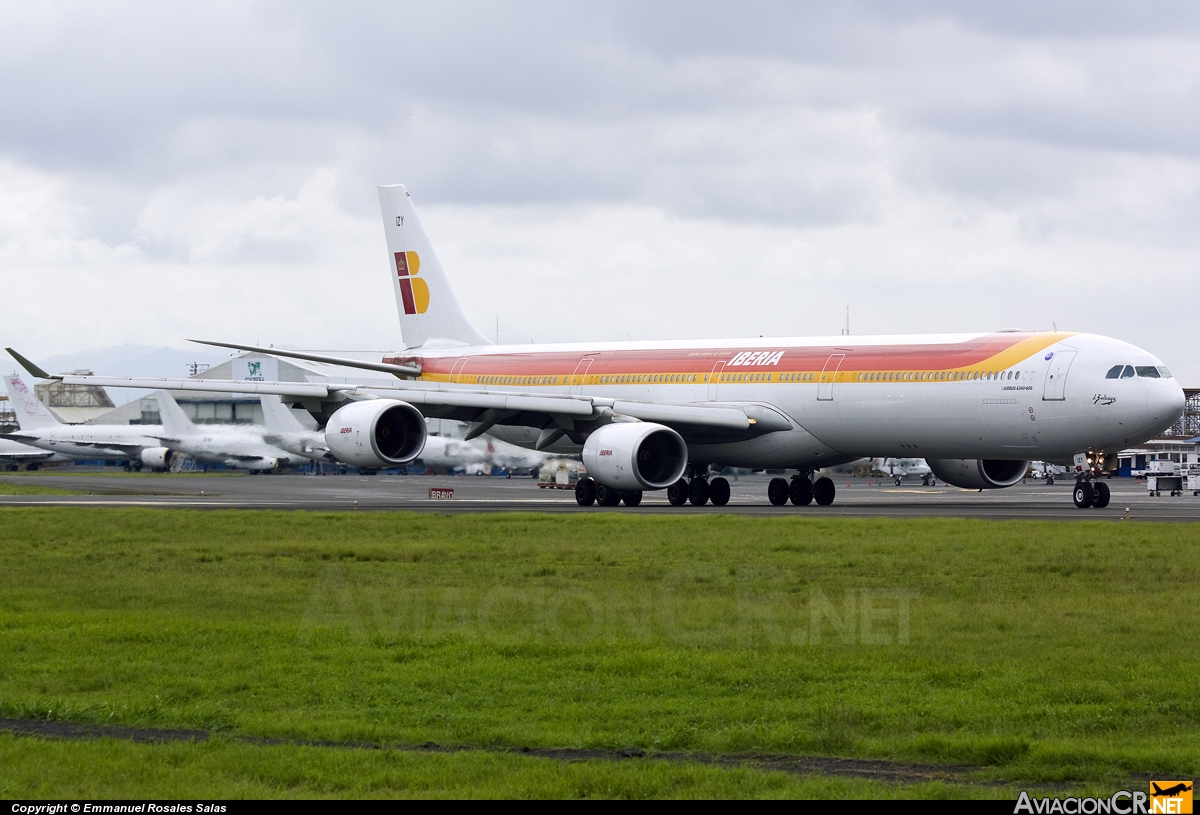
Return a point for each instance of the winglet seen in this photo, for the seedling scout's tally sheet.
(29, 366)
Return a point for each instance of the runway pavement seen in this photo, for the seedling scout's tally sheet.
(863, 497)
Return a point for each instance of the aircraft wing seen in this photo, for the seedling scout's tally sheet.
(28, 454)
(130, 448)
(699, 422)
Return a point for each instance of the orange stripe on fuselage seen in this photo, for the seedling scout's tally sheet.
(991, 352)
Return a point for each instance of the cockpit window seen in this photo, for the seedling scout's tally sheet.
(1128, 372)
(1148, 371)
(1114, 372)
(1162, 370)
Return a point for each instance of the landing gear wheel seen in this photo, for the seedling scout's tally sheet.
(824, 491)
(1083, 495)
(677, 493)
(1100, 496)
(585, 492)
(778, 492)
(801, 491)
(897, 482)
(607, 496)
(633, 498)
(698, 492)
(718, 492)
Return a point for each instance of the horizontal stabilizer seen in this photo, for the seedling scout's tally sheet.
(385, 367)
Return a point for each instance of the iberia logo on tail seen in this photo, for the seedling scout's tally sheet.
(414, 292)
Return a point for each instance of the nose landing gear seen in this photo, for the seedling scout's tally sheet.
(1087, 494)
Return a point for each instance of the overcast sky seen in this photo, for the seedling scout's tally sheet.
(601, 171)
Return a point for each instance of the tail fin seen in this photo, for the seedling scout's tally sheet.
(429, 311)
(31, 413)
(174, 421)
(278, 417)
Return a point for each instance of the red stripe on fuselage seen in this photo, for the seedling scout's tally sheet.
(924, 357)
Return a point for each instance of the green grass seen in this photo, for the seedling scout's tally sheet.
(108, 769)
(34, 489)
(1042, 652)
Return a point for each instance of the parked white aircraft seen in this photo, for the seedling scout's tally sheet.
(14, 454)
(899, 468)
(648, 415)
(136, 444)
(477, 456)
(239, 447)
(454, 453)
(285, 431)
(505, 456)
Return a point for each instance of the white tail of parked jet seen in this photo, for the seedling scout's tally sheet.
(278, 417)
(430, 314)
(31, 413)
(175, 422)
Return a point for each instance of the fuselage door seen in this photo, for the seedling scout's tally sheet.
(456, 371)
(713, 378)
(580, 375)
(828, 374)
(1056, 376)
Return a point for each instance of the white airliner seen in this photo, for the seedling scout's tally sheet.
(454, 453)
(663, 415)
(507, 456)
(136, 444)
(239, 447)
(285, 431)
(14, 454)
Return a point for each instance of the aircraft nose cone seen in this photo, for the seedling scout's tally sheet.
(1165, 401)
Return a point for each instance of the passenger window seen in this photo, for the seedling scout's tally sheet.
(1148, 371)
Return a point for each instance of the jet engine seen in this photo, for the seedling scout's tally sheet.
(158, 458)
(978, 473)
(376, 434)
(635, 456)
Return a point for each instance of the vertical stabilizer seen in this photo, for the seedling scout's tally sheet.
(175, 422)
(31, 413)
(429, 311)
(278, 417)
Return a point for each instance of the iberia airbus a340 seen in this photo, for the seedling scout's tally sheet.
(664, 415)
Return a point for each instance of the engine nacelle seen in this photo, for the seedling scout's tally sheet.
(376, 434)
(158, 458)
(635, 456)
(978, 473)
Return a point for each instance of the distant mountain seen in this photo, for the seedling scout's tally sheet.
(131, 360)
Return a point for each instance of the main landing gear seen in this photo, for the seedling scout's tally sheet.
(699, 491)
(1088, 494)
(801, 491)
(588, 491)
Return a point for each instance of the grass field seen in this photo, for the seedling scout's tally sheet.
(1043, 653)
(7, 488)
